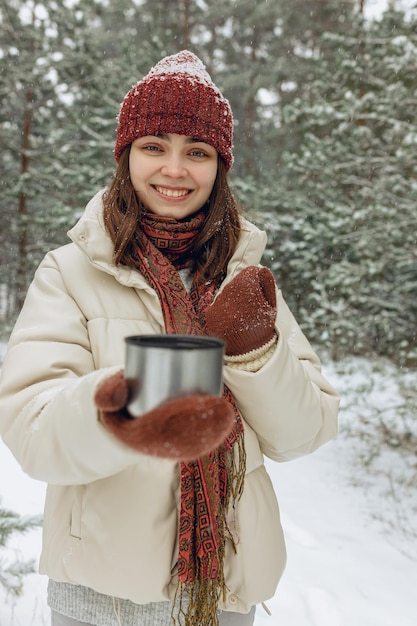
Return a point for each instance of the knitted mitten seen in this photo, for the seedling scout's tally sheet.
(182, 429)
(244, 313)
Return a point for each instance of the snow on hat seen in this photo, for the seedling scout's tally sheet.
(177, 96)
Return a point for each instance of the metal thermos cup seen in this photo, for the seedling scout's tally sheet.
(163, 367)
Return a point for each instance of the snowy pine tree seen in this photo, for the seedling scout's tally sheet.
(324, 143)
(12, 572)
(346, 236)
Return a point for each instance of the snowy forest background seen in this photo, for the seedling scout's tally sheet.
(324, 95)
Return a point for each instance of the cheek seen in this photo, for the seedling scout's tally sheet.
(135, 178)
(207, 188)
(138, 168)
(211, 180)
(211, 185)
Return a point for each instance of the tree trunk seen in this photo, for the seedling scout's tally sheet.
(22, 210)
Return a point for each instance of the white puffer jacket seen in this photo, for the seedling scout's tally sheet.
(111, 514)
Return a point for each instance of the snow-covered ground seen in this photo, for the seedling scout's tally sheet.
(348, 513)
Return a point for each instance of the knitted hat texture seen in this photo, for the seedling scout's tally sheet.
(177, 96)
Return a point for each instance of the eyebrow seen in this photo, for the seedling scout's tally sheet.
(189, 139)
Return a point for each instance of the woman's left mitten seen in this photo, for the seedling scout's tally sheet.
(244, 313)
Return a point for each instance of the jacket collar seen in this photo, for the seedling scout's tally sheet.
(90, 235)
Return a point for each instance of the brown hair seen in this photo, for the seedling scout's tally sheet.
(216, 242)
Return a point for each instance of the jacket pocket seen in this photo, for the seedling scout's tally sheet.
(76, 512)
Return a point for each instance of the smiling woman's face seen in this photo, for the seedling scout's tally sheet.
(173, 175)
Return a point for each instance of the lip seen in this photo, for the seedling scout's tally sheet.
(172, 194)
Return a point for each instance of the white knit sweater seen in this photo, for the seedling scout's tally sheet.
(86, 605)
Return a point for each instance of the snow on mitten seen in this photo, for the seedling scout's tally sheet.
(244, 313)
(182, 429)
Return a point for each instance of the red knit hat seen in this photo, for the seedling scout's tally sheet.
(177, 96)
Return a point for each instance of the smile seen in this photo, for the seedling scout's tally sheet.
(172, 193)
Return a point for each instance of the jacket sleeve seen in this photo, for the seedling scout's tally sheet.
(47, 414)
(288, 403)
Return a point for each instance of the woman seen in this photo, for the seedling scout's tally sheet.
(144, 522)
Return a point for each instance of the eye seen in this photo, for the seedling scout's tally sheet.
(198, 153)
(151, 148)
(148, 145)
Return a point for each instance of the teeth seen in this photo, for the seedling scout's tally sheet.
(172, 193)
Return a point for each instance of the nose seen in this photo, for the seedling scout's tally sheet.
(174, 167)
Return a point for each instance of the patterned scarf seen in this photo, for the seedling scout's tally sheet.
(173, 238)
(210, 484)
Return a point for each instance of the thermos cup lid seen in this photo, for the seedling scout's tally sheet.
(180, 342)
